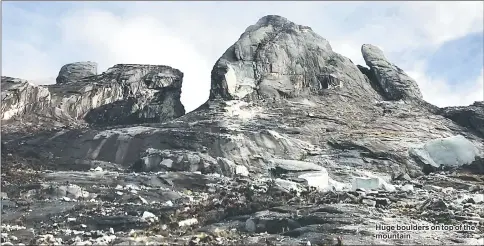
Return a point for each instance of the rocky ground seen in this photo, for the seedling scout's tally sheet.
(117, 207)
(296, 146)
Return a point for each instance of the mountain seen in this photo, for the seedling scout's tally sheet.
(295, 140)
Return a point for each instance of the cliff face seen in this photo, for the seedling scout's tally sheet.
(277, 58)
(295, 140)
(471, 116)
(124, 94)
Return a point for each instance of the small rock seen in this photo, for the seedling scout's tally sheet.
(169, 203)
(143, 200)
(148, 216)
(188, 222)
(382, 202)
(407, 188)
(241, 170)
(369, 202)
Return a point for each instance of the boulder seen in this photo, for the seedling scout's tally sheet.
(277, 58)
(451, 152)
(394, 82)
(76, 71)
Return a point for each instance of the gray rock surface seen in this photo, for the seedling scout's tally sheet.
(264, 162)
(471, 116)
(124, 94)
(19, 97)
(277, 58)
(74, 72)
(395, 83)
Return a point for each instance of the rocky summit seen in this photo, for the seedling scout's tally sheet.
(296, 145)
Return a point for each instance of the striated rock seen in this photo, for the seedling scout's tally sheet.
(124, 94)
(394, 82)
(139, 93)
(19, 97)
(277, 58)
(74, 72)
(471, 116)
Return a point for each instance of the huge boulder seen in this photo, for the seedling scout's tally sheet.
(394, 82)
(277, 58)
(451, 152)
(75, 71)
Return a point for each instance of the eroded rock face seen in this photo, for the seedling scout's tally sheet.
(74, 72)
(277, 58)
(19, 97)
(124, 94)
(394, 82)
(471, 116)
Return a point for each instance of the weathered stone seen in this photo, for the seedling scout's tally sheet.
(471, 116)
(395, 83)
(277, 58)
(124, 94)
(19, 97)
(74, 72)
(244, 165)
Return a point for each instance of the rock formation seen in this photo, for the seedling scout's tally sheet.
(295, 140)
(19, 97)
(277, 58)
(395, 83)
(124, 94)
(74, 72)
(471, 116)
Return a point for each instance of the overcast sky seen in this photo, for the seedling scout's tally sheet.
(439, 44)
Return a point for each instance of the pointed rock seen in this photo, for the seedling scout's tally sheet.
(394, 82)
(277, 58)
